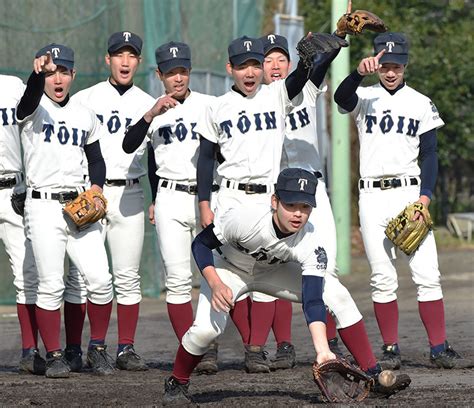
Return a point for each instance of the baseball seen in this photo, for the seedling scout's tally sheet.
(387, 378)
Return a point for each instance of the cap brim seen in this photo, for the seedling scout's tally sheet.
(118, 47)
(240, 59)
(392, 58)
(64, 63)
(272, 47)
(167, 66)
(292, 197)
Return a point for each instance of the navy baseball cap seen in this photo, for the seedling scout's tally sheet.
(61, 54)
(275, 41)
(395, 45)
(124, 39)
(296, 185)
(244, 49)
(173, 55)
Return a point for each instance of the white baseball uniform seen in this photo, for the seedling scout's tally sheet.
(389, 129)
(176, 146)
(300, 149)
(125, 209)
(53, 139)
(253, 252)
(12, 232)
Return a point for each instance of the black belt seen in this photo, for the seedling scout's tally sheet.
(62, 196)
(187, 188)
(118, 183)
(386, 183)
(249, 188)
(7, 183)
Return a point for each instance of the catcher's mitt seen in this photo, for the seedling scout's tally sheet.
(81, 213)
(355, 22)
(18, 203)
(318, 43)
(340, 381)
(407, 234)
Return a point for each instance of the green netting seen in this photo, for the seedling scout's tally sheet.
(85, 25)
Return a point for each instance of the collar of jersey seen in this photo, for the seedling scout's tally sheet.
(236, 90)
(393, 92)
(60, 104)
(121, 89)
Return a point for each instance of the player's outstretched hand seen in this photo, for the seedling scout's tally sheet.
(162, 105)
(221, 297)
(370, 65)
(325, 356)
(44, 64)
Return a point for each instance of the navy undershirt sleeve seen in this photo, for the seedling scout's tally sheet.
(428, 160)
(321, 64)
(96, 163)
(152, 176)
(313, 305)
(205, 169)
(203, 245)
(345, 95)
(296, 81)
(135, 136)
(32, 95)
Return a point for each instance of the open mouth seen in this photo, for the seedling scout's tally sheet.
(58, 91)
(275, 76)
(295, 224)
(124, 72)
(249, 84)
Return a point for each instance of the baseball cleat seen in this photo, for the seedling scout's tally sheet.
(129, 360)
(256, 359)
(176, 394)
(73, 355)
(56, 365)
(448, 358)
(98, 359)
(285, 357)
(208, 363)
(391, 358)
(32, 363)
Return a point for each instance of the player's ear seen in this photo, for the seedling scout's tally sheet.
(73, 74)
(228, 68)
(274, 202)
(159, 75)
(107, 59)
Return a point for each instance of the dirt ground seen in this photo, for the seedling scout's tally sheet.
(232, 387)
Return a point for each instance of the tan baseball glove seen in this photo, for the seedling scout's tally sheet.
(340, 381)
(355, 22)
(407, 234)
(83, 211)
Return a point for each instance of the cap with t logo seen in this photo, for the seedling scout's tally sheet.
(296, 185)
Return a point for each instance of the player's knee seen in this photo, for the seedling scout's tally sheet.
(383, 281)
(197, 339)
(429, 291)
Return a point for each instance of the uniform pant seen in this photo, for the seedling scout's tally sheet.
(376, 208)
(123, 229)
(284, 280)
(51, 240)
(19, 250)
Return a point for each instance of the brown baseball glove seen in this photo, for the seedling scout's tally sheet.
(407, 234)
(355, 22)
(340, 381)
(318, 43)
(83, 211)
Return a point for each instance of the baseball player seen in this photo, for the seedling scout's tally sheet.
(56, 134)
(118, 103)
(398, 165)
(255, 241)
(170, 126)
(12, 233)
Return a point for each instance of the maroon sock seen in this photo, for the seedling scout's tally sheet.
(281, 324)
(356, 341)
(240, 315)
(49, 325)
(432, 316)
(99, 317)
(127, 319)
(387, 319)
(181, 317)
(184, 364)
(261, 318)
(74, 316)
(331, 332)
(28, 326)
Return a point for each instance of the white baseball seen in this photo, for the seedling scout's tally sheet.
(387, 378)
